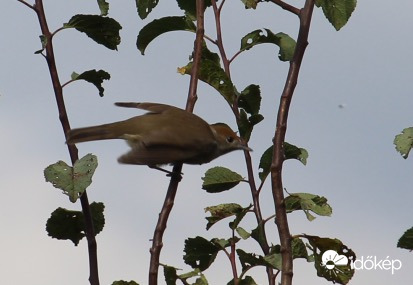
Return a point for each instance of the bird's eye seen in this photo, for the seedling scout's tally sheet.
(230, 139)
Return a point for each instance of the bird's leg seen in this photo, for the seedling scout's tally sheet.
(169, 173)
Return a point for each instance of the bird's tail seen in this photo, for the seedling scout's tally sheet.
(103, 132)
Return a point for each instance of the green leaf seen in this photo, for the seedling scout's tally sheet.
(245, 281)
(249, 102)
(299, 249)
(72, 180)
(290, 152)
(284, 41)
(259, 234)
(190, 274)
(250, 99)
(249, 260)
(43, 41)
(246, 124)
(293, 152)
(103, 30)
(243, 233)
(65, 224)
(170, 275)
(121, 282)
(337, 11)
(308, 202)
(211, 73)
(404, 142)
(200, 253)
(218, 179)
(332, 259)
(94, 77)
(250, 4)
(144, 7)
(406, 240)
(104, 7)
(222, 211)
(189, 6)
(160, 26)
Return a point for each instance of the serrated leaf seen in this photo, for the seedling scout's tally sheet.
(218, 179)
(103, 30)
(406, 240)
(222, 211)
(404, 142)
(328, 256)
(308, 202)
(170, 275)
(211, 73)
(66, 224)
(72, 180)
(337, 12)
(144, 7)
(200, 253)
(104, 7)
(94, 77)
(284, 41)
(160, 26)
(290, 152)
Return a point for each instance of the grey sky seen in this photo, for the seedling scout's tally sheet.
(366, 66)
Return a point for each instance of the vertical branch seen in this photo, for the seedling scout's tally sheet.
(251, 180)
(58, 90)
(279, 138)
(176, 172)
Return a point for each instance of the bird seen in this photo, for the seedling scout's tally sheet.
(164, 135)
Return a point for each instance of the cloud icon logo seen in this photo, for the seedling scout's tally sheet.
(331, 258)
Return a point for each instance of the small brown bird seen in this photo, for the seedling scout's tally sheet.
(164, 135)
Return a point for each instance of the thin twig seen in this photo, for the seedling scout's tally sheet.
(176, 177)
(279, 138)
(57, 87)
(285, 6)
(27, 4)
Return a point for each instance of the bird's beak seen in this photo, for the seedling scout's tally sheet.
(244, 147)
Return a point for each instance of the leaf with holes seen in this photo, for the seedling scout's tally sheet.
(284, 41)
(72, 180)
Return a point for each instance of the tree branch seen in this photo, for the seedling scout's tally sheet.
(176, 176)
(279, 138)
(285, 6)
(58, 90)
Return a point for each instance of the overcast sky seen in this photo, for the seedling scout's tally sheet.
(366, 67)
